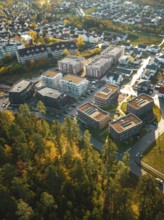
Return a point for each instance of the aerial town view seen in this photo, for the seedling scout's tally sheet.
(82, 110)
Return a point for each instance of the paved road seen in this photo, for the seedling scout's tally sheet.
(146, 141)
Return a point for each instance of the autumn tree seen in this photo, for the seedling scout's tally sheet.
(149, 199)
(41, 107)
(24, 211)
(80, 41)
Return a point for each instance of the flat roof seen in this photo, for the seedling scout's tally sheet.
(112, 50)
(73, 78)
(125, 123)
(50, 73)
(49, 92)
(20, 86)
(98, 62)
(106, 91)
(140, 101)
(72, 60)
(93, 111)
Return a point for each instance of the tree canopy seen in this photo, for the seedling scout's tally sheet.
(49, 171)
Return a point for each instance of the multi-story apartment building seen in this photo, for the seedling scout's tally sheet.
(71, 65)
(51, 79)
(140, 104)
(56, 50)
(32, 53)
(92, 116)
(43, 51)
(98, 67)
(125, 127)
(21, 92)
(114, 53)
(11, 49)
(74, 85)
(107, 95)
(52, 98)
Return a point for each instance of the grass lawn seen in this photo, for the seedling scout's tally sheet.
(124, 107)
(89, 11)
(155, 156)
(12, 78)
(157, 112)
(146, 39)
(112, 107)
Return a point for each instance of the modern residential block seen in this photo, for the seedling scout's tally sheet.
(71, 65)
(140, 104)
(52, 98)
(114, 53)
(107, 95)
(98, 67)
(92, 116)
(51, 79)
(74, 85)
(21, 92)
(125, 127)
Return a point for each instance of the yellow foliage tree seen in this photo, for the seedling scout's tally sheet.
(33, 35)
(80, 41)
(10, 116)
(66, 52)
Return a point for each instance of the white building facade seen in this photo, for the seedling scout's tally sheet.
(74, 85)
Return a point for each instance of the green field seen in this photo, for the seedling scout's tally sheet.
(155, 156)
(89, 11)
(147, 39)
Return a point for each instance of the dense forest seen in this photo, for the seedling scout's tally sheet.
(48, 171)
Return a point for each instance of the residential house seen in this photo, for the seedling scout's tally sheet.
(124, 60)
(161, 58)
(31, 53)
(161, 92)
(142, 47)
(115, 78)
(124, 71)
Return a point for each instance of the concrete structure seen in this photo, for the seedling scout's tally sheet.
(124, 60)
(74, 85)
(42, 51)
(113, 53)
(140, 104)
(125, 127)
(71, 65)
(107, 95)
(115, 79)
(52, 98)
(92, 116)
(21, 92)
(51, 79)
(98, 67)
(56, 50)
(32, 53)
